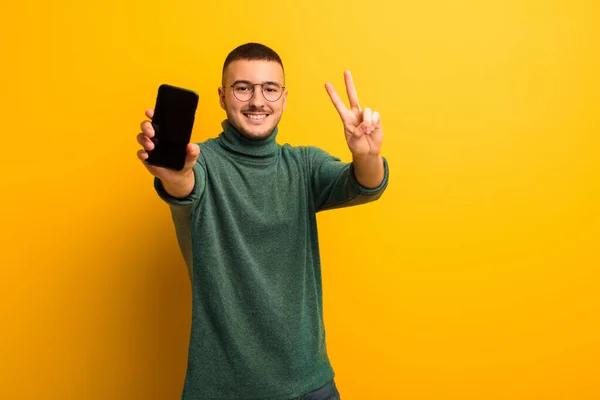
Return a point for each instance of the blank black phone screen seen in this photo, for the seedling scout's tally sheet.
(173, 121)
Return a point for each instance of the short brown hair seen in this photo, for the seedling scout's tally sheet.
(252, 51)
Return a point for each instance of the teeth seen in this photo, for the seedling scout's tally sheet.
(256, 117)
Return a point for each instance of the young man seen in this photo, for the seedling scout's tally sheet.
(244, 209)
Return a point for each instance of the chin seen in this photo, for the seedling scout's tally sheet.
(256, 134)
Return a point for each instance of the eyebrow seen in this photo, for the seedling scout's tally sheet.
(250, 83)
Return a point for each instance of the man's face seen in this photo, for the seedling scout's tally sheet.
(256, 118)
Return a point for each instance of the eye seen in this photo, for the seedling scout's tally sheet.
(242, 87)
(272, 88)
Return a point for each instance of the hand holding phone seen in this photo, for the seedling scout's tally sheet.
(176, 183)
(177, 180)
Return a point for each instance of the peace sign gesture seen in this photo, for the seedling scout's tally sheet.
(362, 128)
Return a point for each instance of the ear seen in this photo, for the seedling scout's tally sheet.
(222, 98)
(284, 100)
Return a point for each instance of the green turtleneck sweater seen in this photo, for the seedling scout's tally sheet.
(248, 233)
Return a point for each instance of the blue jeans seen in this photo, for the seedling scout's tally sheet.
(327, 392)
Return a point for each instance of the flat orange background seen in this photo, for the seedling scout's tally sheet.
(476, 276)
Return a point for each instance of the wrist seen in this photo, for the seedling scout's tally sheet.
(179, 186)
(178, 178)
(369, 170)
(368, 157)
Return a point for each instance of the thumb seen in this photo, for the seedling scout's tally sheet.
(360, 130)
(192, 152)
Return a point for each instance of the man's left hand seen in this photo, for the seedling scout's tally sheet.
(362, 128)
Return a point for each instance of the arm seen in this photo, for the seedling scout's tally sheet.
(335, 183)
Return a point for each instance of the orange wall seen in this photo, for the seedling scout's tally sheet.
(475, 277)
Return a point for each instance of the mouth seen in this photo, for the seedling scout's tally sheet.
(256, 117)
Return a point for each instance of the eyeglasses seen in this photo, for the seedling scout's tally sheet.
(244, 90)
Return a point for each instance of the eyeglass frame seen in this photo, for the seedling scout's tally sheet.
(254, 91)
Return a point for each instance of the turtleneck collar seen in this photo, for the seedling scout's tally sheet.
(231, 139)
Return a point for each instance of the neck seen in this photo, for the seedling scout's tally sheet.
(236, 142)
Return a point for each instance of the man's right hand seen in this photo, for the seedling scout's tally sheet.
(176, 183)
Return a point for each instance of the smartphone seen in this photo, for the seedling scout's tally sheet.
(173, 121)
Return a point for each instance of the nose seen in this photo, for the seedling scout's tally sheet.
(258, 98)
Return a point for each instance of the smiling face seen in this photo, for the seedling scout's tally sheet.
(257, 118)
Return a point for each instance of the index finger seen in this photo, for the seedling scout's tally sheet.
(146, 126)
(335, 99)
(351, 90)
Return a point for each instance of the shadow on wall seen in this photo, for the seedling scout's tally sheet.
(129, 313)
